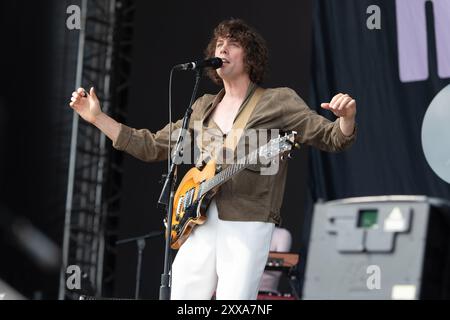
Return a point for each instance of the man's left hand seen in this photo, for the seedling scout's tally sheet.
(342, 105)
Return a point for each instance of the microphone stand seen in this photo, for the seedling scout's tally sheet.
(168, 192)
(140, 241)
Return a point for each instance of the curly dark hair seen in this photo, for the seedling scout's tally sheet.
(256, 53)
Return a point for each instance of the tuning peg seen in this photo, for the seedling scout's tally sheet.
(286, 157)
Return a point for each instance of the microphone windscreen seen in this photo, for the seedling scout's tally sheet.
(216, 62)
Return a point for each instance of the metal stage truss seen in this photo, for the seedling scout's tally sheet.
(94, 175)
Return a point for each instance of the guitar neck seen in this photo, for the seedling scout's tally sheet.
(228, 173)
(272, 149)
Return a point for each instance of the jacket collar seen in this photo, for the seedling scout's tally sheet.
(250, 90)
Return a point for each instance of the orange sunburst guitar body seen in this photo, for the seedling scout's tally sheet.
(189, 206)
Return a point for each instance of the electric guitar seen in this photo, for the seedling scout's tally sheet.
(198, 187)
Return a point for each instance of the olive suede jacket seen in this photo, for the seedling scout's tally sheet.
(248, 196)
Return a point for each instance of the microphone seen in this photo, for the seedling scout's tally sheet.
(200, 64)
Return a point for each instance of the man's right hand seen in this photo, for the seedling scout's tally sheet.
(88, 107)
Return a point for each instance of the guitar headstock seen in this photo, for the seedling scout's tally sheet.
(279, 145)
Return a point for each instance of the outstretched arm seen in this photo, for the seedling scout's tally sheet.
(344, 107)
(140, 143)
(88, 107)
(314, 129)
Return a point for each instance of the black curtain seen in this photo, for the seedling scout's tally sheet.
(37, 63)
(387, 157)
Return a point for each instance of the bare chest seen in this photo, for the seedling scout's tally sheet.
(224, 115)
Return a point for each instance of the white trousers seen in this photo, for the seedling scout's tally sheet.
(225, 257)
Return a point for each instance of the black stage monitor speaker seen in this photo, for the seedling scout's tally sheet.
(383, 247)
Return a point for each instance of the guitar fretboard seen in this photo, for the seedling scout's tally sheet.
(268, 151)
(228, 172)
